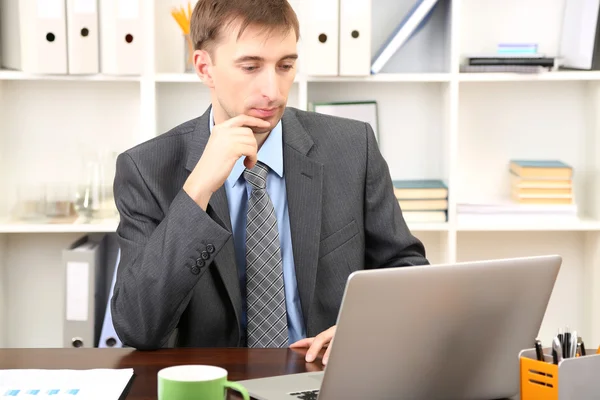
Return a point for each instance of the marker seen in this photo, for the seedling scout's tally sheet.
(582, 347)
(557, 351)
(573, 345)
(538, 350)
(566, 341)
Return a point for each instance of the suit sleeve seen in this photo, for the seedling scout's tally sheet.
(160, 258)
(388, 240)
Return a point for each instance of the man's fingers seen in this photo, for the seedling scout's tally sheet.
(302, 343)
(249, 163)
(326, 355)
(249, 150)
(317, 345)
(246, 120)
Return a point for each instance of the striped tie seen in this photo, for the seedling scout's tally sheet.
(267, 318)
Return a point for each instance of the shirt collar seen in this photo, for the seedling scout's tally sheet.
(270, 153)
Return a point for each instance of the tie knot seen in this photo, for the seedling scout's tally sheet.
(257, 176)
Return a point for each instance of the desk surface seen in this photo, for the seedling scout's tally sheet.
(241, 363)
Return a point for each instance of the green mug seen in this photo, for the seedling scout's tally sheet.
(190, 382)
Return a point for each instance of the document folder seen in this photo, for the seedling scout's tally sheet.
(88, 274)
(355, 37)
(121, 39)
(82, 37)
(34, 36)
(298, 6)
(321, 44)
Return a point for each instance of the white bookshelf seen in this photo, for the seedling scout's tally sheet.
(434, 122)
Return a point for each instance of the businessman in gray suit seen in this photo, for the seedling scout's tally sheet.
(241, 227)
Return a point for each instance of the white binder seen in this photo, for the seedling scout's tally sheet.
(355, 37)
(82, 262)
(121, 38)
(33, 35)
(298, 6)
(579, 46)
(89, 264)
(321, 41)
(82, 37)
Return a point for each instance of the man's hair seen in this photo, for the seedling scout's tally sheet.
(210, 17)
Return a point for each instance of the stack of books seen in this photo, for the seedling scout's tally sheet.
(423, 200)
(541, 182)
(510, 57)
(540, 191)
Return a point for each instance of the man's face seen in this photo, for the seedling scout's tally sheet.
(253, 74)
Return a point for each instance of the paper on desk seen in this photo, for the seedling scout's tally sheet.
(36, 384)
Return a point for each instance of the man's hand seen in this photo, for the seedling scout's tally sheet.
(228, 142)
(315, 344)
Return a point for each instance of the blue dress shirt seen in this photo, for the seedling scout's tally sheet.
(238, 191)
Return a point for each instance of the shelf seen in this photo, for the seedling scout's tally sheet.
(111, 226)
(486, 224)
(9, 75)
(428, 226)
(185, 77)
(178, 78)
(75, 227)
(408, 77)
(518, 77)
(416, 77)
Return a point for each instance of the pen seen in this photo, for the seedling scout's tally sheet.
(566, 343)
(560, 337)
(582, 347)
(573, 345)
(538, 350)
(557, 351)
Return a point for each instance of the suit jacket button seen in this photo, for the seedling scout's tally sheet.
(195, 270)
(204, 255)
(210, 248)
(200, 263)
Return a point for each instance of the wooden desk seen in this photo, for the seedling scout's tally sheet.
(240, 363)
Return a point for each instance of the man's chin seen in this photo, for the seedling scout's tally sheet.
(261, 131)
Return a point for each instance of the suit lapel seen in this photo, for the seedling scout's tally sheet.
(218, 210)
(303, 179)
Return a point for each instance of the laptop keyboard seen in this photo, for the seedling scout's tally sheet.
(306, 395)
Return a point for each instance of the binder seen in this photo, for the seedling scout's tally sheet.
(121, 39)
(409, 26)
(87, 278)
(33, 36)
(579, 46)
(82, 37)
(355, 37)
(298, 7)
(321, 42)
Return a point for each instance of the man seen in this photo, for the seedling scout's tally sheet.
(241, 227)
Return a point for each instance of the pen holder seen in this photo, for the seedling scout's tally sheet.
(188, 53)
(572, 378)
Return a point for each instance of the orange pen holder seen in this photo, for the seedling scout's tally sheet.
(572, 378)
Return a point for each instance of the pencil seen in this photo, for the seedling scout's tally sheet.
(182, 17)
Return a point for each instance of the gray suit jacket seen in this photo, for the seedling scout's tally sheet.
(178, 266)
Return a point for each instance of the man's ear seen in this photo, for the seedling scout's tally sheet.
(203, 66)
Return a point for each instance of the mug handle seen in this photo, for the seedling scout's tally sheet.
(238, 388)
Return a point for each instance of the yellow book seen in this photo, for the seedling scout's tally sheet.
(541, 169)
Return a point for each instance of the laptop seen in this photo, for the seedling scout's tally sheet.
(450, 331)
